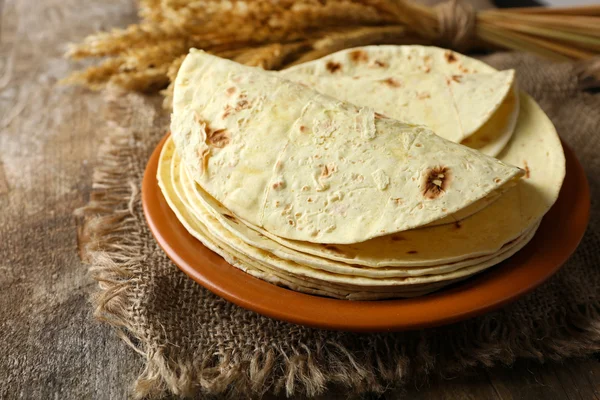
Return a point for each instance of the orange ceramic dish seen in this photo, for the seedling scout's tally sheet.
(556, 239)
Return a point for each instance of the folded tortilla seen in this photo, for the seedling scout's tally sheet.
(300, 276)
(308, 167)
(454, 95)
(535, 146)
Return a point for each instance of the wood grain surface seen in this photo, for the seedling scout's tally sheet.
(50, 345)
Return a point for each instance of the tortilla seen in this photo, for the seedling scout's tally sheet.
(304, 166)
(535, 146)
(296, 276)
(416, 84)
(453, 108)
(216, 218)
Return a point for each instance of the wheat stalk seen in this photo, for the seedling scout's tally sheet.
(273, 34)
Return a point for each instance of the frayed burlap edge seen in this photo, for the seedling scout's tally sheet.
(112, 218)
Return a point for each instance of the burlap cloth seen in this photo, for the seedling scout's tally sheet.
(196, 342)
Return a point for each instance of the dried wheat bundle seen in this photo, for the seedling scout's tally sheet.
(273, 34)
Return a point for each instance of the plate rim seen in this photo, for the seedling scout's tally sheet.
(525, 270)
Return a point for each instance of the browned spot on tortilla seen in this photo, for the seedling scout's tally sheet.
(380, 116)
(327, 170)
(226, 111)
(310, 200)
(397, 238)
(332, 248)
(333, 67)
(463, 69)
(423, 95)
(527, 170)
(398, 200)
(427, 59)
(450, 57)
(230, 91)
(391, 82)
(497, 180)
(231, 218)
(436, 181)
(456, 78)
(204, 155)
(379, 63)
(279, 185)
(412, 252)
(426, 69)
(358, 56)
(217, 138)
(302, 128)
(418, 145)
(444, 209)
(242, 105)
(409, 57)
(457, 224)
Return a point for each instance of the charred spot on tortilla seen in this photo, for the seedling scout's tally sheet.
(327, 170)
(204, 155)
(358, 56)
(435, 182)
(231, 218)
(217, 138)
(332, 248)
(226, 111)
(391, 82)
(450, 57)
(242, 105)
(333, 67)
(527, 171)
(279, 185)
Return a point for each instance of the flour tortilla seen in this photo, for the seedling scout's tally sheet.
(216, 218)
(297, 276)
(416, 84)
(253, 268)
(308, 167)
(535, 146)
(454, 108)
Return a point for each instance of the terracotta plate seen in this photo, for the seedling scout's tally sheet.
(556, 239)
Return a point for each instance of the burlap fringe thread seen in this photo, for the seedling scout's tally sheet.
(110, 242)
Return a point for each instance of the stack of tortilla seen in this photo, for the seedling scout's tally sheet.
(367, 174)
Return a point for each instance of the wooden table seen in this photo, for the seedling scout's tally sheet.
(50, 345)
